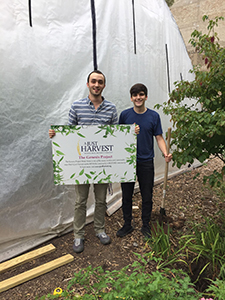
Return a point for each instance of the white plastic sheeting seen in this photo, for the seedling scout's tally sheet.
(47, 50)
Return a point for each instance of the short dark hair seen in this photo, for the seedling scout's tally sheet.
(137, 88)
(98, 72)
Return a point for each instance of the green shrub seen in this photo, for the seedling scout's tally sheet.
(207, 241)
(163, 251)
(97, 284)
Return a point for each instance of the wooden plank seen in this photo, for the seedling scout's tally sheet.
(33, 273)
(5, 266)
(114, 207)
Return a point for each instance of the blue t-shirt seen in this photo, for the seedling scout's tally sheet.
(150, 125)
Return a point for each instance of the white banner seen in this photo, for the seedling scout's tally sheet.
(94, 154)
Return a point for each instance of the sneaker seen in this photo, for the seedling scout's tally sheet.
(146, 231)
(78, 245)
(104, 238)
(126, 229)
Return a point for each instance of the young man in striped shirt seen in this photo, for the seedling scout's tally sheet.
(93, 110)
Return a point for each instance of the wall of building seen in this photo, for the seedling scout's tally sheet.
(188, 15)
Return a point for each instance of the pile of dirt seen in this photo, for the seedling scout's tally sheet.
(187, 201)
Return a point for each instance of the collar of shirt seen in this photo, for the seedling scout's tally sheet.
(91, 104)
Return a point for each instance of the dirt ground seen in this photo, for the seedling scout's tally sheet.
(187, 200)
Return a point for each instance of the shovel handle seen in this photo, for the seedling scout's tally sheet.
(168, 140)
(166, 167)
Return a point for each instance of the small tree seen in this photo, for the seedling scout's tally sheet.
(200, 127)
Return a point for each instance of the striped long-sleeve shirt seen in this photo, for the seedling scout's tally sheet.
(82, 112)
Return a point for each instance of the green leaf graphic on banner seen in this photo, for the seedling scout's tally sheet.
(58, 178)
(54, 143)
(125, 128)
(81, 172)
(98, 131)
(59, 152)
(81, 135)
(72, 175)
(60, 159)
(129, 150)
(109, 130)
(87, 175)
(67, 129)
(132, 150)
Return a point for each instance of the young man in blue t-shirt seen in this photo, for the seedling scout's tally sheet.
(150, 125)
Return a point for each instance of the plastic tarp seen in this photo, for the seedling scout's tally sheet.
(47, 49)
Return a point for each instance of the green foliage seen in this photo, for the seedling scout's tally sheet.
(208, 241)
(205, 246)
(200, 122)
(221, 191)
(170, 2)
(163, 251)
(217, 288)
(139, 284)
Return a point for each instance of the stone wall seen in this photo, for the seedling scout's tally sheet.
(188, 15)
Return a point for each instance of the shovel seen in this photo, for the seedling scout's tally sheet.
(162, 209)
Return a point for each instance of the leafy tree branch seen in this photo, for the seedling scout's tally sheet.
(199, 121)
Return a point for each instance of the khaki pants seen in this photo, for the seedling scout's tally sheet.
(81, 191)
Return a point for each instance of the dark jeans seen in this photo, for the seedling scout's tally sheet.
(145, 176)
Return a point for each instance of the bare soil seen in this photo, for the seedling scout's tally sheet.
(187, 201)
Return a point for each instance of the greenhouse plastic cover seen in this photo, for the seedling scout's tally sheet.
(47, 50)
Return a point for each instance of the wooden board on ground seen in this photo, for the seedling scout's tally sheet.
(33, 273)
(5, 266)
